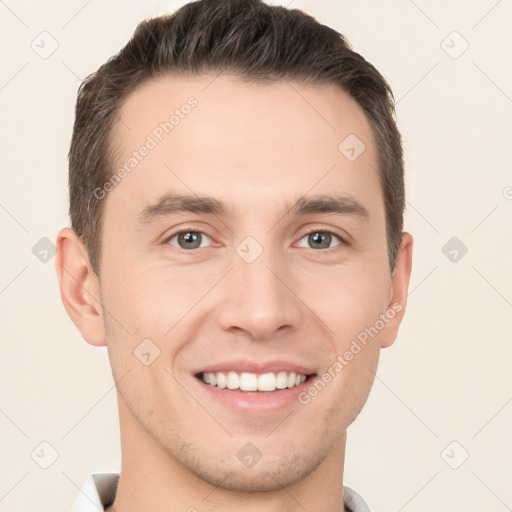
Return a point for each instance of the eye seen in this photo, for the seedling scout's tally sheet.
(321, 239)
(188, 239)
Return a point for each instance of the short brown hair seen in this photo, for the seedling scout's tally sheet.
(257, 42)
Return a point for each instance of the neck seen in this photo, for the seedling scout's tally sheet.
(152, 479)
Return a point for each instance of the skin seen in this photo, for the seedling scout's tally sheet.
(257, 148)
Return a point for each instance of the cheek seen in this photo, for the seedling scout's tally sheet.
(349, 301)
(151, 301)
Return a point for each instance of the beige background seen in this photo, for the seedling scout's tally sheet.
(447, 378)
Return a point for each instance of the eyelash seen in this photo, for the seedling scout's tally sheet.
(342, 240)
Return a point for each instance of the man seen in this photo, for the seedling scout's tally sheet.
(236, 197)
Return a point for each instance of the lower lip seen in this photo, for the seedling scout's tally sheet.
(256, 402)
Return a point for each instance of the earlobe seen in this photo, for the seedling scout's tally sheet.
(399, 290)
(79, 287)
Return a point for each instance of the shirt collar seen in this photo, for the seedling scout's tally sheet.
(97, 492)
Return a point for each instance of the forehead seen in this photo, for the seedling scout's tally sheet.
(220, 135)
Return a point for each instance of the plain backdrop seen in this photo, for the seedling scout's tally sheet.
(435, 432)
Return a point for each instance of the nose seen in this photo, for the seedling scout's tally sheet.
(258, 298)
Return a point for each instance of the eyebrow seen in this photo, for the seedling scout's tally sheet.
(178, 203)
(331, 203)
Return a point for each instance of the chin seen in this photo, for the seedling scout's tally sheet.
(265, 476)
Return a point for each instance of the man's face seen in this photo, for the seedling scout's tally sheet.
(251, 284)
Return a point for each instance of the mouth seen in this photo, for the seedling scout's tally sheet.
(248, 382)
(254, 388)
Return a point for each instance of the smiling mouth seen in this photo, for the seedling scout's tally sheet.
(245, 381)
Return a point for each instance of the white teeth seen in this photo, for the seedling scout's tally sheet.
(246, 381)
(282, 380)
(267, 382)
(233, 381)
(221, 380)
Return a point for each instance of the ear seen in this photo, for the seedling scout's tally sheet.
(79, 287)
(399, 289)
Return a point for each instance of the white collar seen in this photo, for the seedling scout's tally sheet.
(97, 492)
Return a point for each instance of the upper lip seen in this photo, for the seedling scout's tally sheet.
(245, 365)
